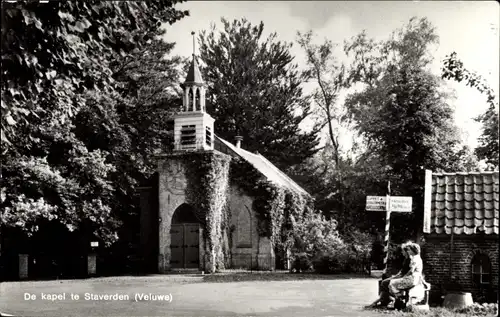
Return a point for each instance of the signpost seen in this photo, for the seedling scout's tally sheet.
(400, 204)
(396, 204)
(388, 204)
(376, 203)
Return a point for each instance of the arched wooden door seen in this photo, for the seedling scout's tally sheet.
(184, 239)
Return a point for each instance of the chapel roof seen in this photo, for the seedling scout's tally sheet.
(466, 203)
(194, 74)
(264, 166)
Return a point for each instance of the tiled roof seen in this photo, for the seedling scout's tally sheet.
(266, 168)
(464, 202)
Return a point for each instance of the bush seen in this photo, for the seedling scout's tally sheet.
(312, 233)
(377, 252)
(340, 258)
(480, 309)
(360, 242)
(319, 246)
(301, 263)
(328, 263)
(359, 251)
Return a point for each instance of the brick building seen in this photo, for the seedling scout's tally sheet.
(460, 248)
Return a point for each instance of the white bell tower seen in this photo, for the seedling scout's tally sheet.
(193, 127)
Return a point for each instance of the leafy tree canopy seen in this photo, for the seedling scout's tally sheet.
(401, 114)
(487, 150)
(73, 98)
(254, 91)
(403, 110)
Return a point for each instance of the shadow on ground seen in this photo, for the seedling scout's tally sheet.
(272, 276)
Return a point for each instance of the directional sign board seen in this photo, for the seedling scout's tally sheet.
(398, 203)
(401, 204)
(376, 203)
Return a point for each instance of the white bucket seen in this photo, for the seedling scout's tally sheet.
(458, 300)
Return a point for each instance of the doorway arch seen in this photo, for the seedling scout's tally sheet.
(185, 238)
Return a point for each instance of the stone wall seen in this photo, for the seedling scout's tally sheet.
(177, 187)
(436, 258)
(171, 195)
(248, 250)
(244, 240)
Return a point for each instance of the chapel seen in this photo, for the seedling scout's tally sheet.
(197, 213)
(181, 214)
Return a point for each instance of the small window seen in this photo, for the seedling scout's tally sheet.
(244, 227)
(188, 136)
(208, 136)
(197, 101)
(481, 269)
(189, 103)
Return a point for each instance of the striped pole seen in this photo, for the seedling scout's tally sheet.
(387, 227)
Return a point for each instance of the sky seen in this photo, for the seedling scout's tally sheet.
(469, 28)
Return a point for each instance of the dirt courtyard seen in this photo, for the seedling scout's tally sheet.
(171, 295)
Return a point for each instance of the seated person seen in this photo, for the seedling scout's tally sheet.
(385, 297)
(413, 277)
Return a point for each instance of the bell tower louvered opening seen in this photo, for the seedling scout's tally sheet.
(193, 126)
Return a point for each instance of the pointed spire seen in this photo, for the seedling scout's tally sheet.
(194, 74)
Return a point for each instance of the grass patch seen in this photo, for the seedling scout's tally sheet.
(439, 312)
(235, 276)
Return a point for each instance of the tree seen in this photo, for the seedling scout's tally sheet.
(254, 91)
(339, 179)
(487, 150)
(324, 69)
(133, 125)
(54, 51)
(64, 140)
(402, 110)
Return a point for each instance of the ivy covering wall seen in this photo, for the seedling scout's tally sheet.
(209, 176)
(208, 191)
(277, 208)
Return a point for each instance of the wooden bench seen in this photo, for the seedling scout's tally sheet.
(410, 297)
